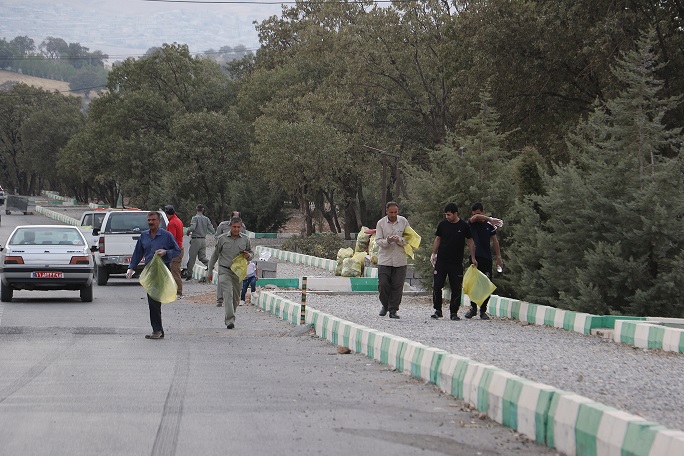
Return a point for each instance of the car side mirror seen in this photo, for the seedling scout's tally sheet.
(1, 248)
(94, 248)
(96, 231)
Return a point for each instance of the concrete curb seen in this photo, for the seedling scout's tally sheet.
(570, 423)
(648, 335)
(57, 216)
(338, 284)
(297, 258)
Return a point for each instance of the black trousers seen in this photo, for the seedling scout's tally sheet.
(455, 274)
(155, 314)
(484, 265)
(391, 286)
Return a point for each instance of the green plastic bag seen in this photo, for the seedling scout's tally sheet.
(157, 280)
(239, 267)
(477, 285)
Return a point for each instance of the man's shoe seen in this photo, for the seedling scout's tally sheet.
(436, 315)
(470, 314)
(230, 326)
(455, 317)
(188, 278)
(242, 303)
(155, 335)
(484, 316)
(179, 297)
(219, 304)
(394, 315)
(383, 312)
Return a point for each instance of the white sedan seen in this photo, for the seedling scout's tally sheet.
(46, 257)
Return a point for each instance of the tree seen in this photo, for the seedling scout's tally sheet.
(603, 233)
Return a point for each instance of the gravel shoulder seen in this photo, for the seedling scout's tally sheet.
(642, 382)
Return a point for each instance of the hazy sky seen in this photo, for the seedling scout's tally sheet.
(123, 28)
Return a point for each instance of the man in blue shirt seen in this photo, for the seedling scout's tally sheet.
(155, 241)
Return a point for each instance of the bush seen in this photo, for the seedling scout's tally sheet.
(322, 245)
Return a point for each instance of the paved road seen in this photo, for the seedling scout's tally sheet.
(80, 379)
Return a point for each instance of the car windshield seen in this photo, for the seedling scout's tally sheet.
(46, 236)
(125, 222)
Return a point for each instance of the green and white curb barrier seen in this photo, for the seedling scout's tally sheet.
(63, 199)
(648, 335)
(297, 258)
(570, 423)
(57, 216)
(335, 284)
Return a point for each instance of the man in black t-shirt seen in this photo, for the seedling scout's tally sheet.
(447, 259)
(483, 230)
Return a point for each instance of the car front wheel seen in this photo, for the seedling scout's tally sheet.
(5, 293)
(101, 275)
(87, 293)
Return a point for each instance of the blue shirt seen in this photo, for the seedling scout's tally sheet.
(147, 245)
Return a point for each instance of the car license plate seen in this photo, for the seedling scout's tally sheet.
(46, 275)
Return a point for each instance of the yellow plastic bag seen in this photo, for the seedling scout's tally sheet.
(362, 240)
(373, 250)
(341, 255)
(412, 239)
(477, 285)
(157, 280)
(239, 267)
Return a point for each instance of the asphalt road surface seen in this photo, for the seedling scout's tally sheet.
(80, 379)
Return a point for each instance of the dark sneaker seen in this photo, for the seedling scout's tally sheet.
(394, 315)
(219, 304)
(484, 316)
(470, 314)
(455, 317)
(230, 326)
(436, 315)
(383, 312)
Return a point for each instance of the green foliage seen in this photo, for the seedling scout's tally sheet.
(604, 238)
(34, 125)
(322, 245)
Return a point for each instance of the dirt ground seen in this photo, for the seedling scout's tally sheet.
(7, 77)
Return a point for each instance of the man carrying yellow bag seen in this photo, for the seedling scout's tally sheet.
(229, 247)
(155, 241)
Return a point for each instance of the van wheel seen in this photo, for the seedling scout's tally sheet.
(101, 275)
(87, 293)
(5, 293)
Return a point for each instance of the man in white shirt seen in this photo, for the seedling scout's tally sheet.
(391, 259)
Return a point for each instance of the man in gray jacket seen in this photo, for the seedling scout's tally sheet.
(228, 247)
(200, 226)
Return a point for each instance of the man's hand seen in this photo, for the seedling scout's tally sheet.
(210, 277)
(474, 261)
(245, 254)
(499, 262)
(433, 259)
(160, 252)
(130, 273)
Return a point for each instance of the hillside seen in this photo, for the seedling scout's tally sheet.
(47, 84)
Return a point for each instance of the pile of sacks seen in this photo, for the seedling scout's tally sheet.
(351, 262)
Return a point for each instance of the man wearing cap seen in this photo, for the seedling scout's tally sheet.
(223, 228)
(228, 247)
(200, 226)
(175, 227)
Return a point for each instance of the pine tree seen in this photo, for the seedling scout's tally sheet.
(610, 238)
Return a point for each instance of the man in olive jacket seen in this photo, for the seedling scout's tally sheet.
(229, 246)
